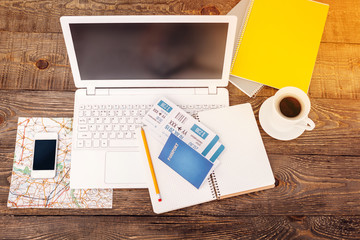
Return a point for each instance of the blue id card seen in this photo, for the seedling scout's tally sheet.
(186, 161)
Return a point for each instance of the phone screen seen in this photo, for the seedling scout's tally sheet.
(44, 155)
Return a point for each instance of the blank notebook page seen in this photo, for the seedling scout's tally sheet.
(244, 164)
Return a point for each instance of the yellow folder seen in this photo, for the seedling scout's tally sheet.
(279, 42)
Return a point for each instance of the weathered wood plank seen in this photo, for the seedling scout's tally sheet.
(101, 227)
(306, 185)
(19, 54)
(342, 22)
(43, 16)
(337, 129)
(336, 73)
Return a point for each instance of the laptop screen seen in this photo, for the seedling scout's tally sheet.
(115, 51)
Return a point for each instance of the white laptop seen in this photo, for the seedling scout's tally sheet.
(121, 65)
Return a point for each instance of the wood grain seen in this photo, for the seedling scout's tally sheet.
(306, 185)
(342, 22)
(336, 73)
(19, 54)
(259, 227)
(43, 16)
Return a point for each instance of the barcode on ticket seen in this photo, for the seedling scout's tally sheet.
(175, 120)
(181, 118)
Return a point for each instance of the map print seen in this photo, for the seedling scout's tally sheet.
(26, 192)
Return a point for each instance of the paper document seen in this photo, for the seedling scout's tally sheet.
(27, 192)
(166, 117)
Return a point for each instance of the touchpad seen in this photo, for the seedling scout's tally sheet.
(124, 167)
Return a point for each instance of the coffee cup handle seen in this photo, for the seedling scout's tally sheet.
(309, 124)
(306, 124)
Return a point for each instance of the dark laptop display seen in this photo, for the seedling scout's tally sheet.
(116, 51)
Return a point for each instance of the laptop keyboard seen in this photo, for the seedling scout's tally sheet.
(113, 126)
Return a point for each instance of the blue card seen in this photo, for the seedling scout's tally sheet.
(186, 161)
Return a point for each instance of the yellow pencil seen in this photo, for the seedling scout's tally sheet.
(150, 164)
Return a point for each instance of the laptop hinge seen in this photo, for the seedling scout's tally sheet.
(212, 90)
(90, 90)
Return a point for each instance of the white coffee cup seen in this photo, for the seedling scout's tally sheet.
(290, 109)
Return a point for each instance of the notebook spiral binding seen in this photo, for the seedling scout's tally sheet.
(196, 116)
(213, 193)
(256, 91)
(215, 185)
(242, 34)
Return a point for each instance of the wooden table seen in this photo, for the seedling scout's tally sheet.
(317, 193)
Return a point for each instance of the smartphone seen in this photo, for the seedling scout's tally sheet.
(45, 155)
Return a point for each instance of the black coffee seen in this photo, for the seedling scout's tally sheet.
(290, 107)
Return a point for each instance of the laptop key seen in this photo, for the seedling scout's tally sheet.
(112, 135)
(100, 128)
(120, 135)
(82, 120)
(91, 120)
(84, 135)
(92, 128)
(104, 143)
(88, 143)
(107, 120)
(103, 113)
(122, 120)
(108, 127)
(80, 143)
(96, 143)
(96, 135)
(119, 113)
(123, 143)
(83, 128)
(95, 113)
(128, 135)
(114, 125)
(138, 120)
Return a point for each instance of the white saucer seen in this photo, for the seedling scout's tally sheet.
(288, 134)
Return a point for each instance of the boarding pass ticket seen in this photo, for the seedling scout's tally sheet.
(166, 117)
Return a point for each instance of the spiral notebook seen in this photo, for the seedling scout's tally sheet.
(279, 41)
(244, 166)
(250, 88)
